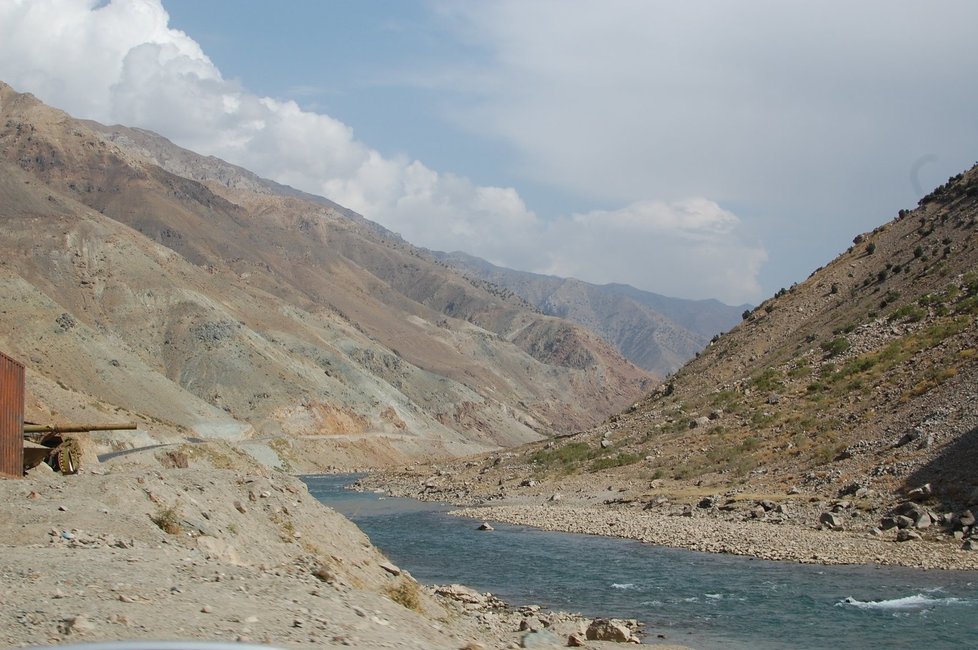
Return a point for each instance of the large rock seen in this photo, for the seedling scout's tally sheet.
(831, 520)
(907, 535)
(903, 521)
(967, 518)
(461, 593)
(608, 629)
(540, 639)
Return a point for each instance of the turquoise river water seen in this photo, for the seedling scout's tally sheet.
(702, 600)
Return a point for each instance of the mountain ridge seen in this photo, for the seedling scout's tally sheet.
(254, 315)
(655, 332)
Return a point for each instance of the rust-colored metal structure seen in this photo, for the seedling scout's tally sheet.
(11, 418)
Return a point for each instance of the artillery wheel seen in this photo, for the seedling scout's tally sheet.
(68, 456)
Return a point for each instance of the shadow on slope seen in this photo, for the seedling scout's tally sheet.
(952, 473)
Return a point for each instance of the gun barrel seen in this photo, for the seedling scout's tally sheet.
(76, 428)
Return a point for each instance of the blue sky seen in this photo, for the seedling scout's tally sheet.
(714, 149)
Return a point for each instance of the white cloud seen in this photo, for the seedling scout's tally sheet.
(650, 242)
(122, 63)
(619, 100)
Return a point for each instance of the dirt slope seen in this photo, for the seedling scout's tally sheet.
(132, 550)
(221, 305)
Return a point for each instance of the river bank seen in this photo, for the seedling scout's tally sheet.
(706, 600)
(132, 549)
(787, 527)
(708, 534)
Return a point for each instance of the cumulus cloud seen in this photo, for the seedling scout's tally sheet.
(121, 63)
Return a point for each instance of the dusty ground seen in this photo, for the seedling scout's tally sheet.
(247, 555)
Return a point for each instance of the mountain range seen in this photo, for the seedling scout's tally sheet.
(652, 331)
(143, 281)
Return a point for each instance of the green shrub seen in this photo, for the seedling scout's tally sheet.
(836, 346)
(622, 459)
(570, 454)
(767, 380)
(909, 313)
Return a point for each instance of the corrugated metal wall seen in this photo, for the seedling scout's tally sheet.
(11, 417)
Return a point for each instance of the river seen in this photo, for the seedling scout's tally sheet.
(703, 600)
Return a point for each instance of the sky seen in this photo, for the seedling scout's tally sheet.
(714, 149)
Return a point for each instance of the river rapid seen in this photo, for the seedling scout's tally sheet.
(702, 600)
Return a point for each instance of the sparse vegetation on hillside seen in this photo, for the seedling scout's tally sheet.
(817, 384)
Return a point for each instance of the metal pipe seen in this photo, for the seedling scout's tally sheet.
(76, 428)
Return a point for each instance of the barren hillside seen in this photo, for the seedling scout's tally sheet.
(203, 301)
(846, 401)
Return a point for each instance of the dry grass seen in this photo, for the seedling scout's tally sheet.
(168, 519)
(405, 593)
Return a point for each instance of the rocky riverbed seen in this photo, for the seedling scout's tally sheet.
(858, 527)
(767, 541)
(133, 550)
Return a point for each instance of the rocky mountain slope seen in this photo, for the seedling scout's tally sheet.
(145, 282)
(847, 401)
(654, 332)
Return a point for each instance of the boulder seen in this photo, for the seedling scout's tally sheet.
(531, 624)
(605, 629)
(967, 518)
(706, 502)
(767, 505)
(540, 639)
(576, 640)
(461, 593)
(903, 521)
(605, 443)
(909, 437)
(831, 520)
(485, 526)
(911, 509)
(907, 535)
(390, 568)
(969, 545)
(887, 523)
(922, 491)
